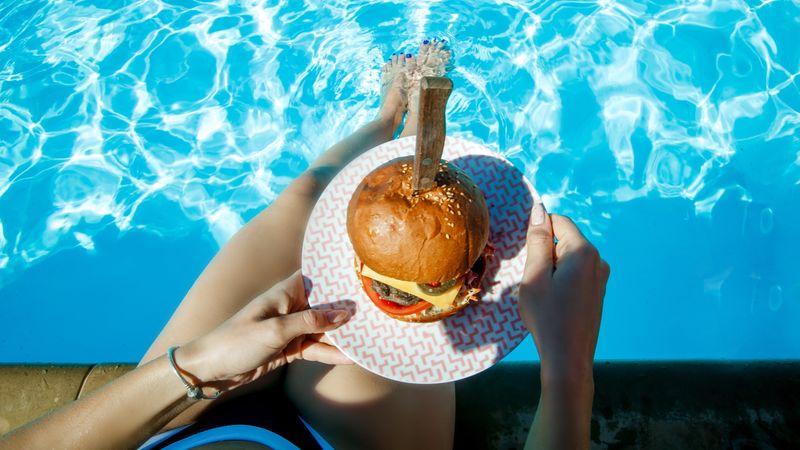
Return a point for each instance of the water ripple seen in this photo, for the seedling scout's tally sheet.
(167, 115)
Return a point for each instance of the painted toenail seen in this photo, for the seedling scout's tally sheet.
(426, 42)
(408, 55)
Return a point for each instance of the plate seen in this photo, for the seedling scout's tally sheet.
(459, 346)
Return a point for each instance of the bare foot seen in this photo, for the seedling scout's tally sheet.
(393, 91)
(433, 60)
(412, 87)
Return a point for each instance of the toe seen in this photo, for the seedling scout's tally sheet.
(423, 48)
(429, 48)
(411, 63)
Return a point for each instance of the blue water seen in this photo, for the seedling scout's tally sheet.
(137, 137)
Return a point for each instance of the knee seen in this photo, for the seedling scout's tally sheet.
(354, 408)
(354, 385)
(307, 187)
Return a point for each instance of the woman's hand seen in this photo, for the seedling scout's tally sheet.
(561, 300)
(274, 329)
(561, 296)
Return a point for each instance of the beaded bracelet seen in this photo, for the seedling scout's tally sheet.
(192, 391)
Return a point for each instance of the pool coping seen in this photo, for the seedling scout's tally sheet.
(641, 404)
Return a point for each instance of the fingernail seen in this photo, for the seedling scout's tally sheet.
(537, 217)
(408, 55)
(336, 316)
(426, 42)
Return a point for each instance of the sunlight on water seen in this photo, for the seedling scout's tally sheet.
(170, 115)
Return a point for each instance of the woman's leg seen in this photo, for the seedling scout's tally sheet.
(353, 408)
(268, 248)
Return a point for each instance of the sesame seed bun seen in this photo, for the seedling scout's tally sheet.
(435, 236)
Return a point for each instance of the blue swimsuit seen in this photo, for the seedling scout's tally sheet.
(266, 417)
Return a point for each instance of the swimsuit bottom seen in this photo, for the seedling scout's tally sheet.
(266, 418)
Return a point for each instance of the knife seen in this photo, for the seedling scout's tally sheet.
(433, 95)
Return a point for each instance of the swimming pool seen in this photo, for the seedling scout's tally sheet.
(137, 137)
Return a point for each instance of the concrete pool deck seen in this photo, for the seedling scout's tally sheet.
(652, 405)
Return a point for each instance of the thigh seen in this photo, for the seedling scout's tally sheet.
(355, 409)
(263, 252)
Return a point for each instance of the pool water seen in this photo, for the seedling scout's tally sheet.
(137, 137)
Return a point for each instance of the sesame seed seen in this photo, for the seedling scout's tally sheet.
(447, 236)
(459, 213)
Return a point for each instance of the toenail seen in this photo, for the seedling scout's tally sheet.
(425, 42)
(408, 55)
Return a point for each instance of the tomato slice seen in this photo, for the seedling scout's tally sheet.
(391, 307)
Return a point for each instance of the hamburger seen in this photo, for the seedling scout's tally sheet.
(419, 257)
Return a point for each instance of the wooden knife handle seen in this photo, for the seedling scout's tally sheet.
(433, 95)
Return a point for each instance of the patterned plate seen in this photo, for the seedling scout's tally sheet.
(457, 347)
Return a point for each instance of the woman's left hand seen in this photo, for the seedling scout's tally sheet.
(274, 329)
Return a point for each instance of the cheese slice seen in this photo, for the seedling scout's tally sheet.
(443, 300)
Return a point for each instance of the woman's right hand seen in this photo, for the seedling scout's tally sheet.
(561, 295)
(274, 329)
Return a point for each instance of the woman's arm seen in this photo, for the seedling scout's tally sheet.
(561, 301)
(274, 329)
(564, 414)
(122, 414)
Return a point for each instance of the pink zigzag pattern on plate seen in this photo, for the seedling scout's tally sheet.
(459, 346)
